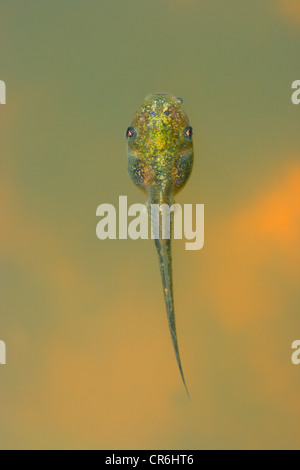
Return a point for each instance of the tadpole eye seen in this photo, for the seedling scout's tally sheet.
(188, 133)
(130, 133)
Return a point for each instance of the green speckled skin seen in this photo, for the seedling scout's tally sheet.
(160, 160)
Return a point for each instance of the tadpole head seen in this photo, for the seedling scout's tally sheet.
(160, 144)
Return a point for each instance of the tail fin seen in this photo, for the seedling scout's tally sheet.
(165, 263)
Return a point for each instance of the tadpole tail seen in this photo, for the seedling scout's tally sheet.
(165, 262)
